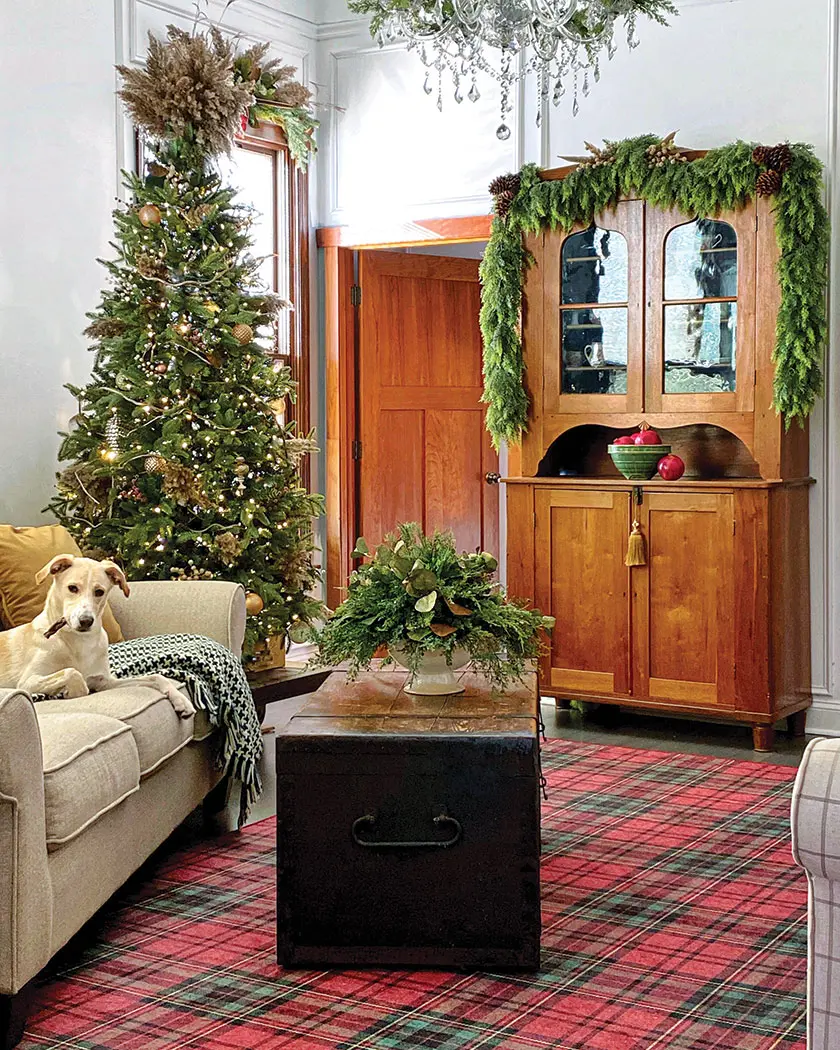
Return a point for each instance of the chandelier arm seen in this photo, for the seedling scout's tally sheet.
(546, 15)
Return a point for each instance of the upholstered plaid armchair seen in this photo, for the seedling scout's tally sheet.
(815, 825)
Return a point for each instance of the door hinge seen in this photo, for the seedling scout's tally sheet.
(357, 449)
(355, 295)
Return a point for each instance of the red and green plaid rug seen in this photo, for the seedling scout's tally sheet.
(673, 919)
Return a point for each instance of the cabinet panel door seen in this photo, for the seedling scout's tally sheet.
(581, 580)
(700, 277)
(684, 601)
(592, 288)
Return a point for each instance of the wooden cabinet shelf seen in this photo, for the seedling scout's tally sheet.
(716, 623)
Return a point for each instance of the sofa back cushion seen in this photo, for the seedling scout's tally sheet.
(23, 551)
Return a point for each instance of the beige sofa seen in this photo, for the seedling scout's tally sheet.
(90, 787)
(815, 826)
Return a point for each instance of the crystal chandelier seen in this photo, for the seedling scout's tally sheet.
(510, 39)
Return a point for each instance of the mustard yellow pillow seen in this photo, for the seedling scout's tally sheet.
(23, 551)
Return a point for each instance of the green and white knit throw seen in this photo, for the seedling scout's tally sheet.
(215, 682)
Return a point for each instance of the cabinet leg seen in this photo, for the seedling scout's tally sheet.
(796, 724)
(562, 705)
(763, 738)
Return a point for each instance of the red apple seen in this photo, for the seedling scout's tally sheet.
(670, 468)
(646, 437)
(625, 439)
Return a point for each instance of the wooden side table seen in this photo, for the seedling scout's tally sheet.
(283, 683)
(408, 827)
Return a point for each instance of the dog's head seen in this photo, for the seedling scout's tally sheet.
(80, 588)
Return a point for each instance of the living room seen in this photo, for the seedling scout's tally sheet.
(418, 563)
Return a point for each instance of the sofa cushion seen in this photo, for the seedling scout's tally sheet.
(23, 551)
(90, 766)
(158, 731)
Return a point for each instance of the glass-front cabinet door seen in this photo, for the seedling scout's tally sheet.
(593, 314)
(700, 330)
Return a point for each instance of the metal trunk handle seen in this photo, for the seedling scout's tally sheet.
(369, 820)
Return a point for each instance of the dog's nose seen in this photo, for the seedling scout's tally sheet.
(85, 623)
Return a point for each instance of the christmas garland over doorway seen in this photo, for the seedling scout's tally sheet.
(721, 180)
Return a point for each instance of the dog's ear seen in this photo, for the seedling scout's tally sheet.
(60, 563)
(116, 576)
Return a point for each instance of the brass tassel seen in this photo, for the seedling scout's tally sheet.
(636, 553)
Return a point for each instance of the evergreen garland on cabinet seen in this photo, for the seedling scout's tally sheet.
(722, 180)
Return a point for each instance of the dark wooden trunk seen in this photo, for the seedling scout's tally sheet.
(408, 828)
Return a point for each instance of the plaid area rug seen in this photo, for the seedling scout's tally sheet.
(673, 919)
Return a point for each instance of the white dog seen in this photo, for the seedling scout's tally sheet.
(64, 650)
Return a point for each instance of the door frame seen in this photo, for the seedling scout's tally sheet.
(341, 245)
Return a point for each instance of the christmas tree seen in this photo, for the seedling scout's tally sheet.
(180, 465)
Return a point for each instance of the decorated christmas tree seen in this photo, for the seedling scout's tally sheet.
(180, 466)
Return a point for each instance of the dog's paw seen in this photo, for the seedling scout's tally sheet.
(74, 685)
(181, 703)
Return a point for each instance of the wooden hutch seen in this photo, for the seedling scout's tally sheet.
(652, 315)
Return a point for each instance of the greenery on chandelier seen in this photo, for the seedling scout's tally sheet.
(721, 180)
(427, 13)
(180, 463)
(418, 593)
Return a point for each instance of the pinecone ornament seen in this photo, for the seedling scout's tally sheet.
(115, 431)
(242, 333)
(768, 183)
(779, 158)
(760, 155)
(504, 189)
(154, 463)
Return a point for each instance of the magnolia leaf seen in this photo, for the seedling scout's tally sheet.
(548, 622)
(458, 610)
(416, 634)
(384, 555)
(422, 580)
(442, 630)
(361, 548)
(398, 546)
(489, 561)
(426, 603)
(401, 566)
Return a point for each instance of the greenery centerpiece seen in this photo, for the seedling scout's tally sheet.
(418, 596)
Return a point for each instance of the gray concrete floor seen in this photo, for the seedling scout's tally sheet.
(600, 724)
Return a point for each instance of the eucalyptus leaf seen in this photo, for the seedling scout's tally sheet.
(426, 603)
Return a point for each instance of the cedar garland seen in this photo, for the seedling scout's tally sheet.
(723, 180)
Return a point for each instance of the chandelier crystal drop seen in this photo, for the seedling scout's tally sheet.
(508, 40)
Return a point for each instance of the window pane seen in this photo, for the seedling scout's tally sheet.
(594, 267)
(700, 347)
(701, 261)
(595, 351)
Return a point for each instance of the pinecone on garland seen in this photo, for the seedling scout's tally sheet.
(151, 266)
(768, 183)
(779, 158)
(504, 189)
(760, 155)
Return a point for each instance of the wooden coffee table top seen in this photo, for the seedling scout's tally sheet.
(376, 702)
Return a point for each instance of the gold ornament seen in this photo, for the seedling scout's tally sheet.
(149, 215)
(154, 463)
(214, 308)
(253, 603)
(241, 467)
(242, 333)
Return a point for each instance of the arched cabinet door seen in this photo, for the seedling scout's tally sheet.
(592, 314)
(700, 277)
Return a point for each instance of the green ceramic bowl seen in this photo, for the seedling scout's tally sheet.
(637, 462)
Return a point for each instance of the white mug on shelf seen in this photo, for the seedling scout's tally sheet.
(594, 354)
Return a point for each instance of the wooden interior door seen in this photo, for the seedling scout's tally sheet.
(684, 600)
(424, 448)
(581, 580)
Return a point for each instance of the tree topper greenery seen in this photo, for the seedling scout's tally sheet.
(417, 592)
(721, 180)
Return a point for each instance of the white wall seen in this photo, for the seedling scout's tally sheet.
(761, 70)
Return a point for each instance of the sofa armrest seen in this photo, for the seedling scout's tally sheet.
(25, 887)
(214, 608)
(815, 810)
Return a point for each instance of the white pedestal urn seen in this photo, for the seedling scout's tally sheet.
(434, 676)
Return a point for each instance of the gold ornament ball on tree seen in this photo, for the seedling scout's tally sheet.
(242, 333)
(149, 215)
(241, 468)
(253, 603)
